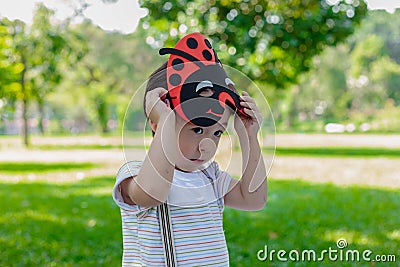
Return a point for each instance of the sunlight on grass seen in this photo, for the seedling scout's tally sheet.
(335, 151)
(98, 191)
(40, 167)
(351, 236)
(76, 147)
(395, 235)
(34, 215)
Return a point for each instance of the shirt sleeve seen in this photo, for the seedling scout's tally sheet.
(128, 169)
(222, 180)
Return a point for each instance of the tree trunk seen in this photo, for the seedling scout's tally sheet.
(25, 104)
(293, 110)
(25, 131)
(102, 109)
(41, 115)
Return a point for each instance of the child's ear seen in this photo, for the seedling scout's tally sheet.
(166, 101)
(153, 125)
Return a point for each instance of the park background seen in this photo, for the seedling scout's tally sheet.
(330, 71)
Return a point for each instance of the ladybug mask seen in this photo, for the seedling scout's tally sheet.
(198, 86)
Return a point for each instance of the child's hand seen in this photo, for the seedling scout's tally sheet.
(157, 105)
(250, 124)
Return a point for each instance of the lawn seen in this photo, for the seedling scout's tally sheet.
(77, 224)
(302, 215)
(49, 224)
(364, 152)
(280, 151)
(40, 167)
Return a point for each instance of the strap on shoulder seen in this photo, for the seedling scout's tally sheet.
(167, 235)
(216, 195)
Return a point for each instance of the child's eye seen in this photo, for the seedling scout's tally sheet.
(198, 130)
(218, 133)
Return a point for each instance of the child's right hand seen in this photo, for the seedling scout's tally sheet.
(157, 105)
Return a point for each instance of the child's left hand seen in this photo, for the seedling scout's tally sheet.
(250, 124)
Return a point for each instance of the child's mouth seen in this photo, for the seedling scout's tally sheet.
(197, 160)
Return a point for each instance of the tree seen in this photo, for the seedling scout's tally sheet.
(385, 77)
(20, 54)
(354, 82)
(270, 41)
(39, 51)
(385, 26)
(376, 56)
(324, 93)
(56, 49)
(109, 74)
(9, 73)
(9, 69)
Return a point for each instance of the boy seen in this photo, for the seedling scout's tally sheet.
(179, 167)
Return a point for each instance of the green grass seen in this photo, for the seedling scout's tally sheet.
(280, 151)
(44, 224)
(40, 167)
(336, 151)
(87, 147)
(77, 224)
(76, 147)
(302, 215)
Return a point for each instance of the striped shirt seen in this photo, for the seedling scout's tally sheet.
(196, 207)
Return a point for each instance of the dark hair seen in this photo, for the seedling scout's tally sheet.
(157, 79)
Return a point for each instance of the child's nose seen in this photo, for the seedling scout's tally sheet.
(207, 144)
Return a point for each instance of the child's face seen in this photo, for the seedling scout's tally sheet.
(197, 144)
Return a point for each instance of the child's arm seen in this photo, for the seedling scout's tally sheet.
(250, 192)
(152, 185)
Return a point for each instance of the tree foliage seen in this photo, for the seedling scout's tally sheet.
(39, 53)
(84, 77)
(355, 82)
(109, 74)
(271, 41)
(9, 70)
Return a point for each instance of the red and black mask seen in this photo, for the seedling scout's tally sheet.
(192, 68)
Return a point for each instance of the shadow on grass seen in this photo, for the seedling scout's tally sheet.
(77, 224)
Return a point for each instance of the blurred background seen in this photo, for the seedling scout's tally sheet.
(330, 70)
